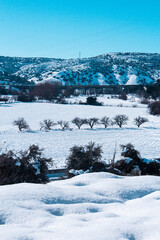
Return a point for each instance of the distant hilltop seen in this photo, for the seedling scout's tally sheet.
(107, 69)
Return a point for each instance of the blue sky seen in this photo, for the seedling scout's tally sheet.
(62, 29)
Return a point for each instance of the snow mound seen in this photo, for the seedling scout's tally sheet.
(91, 206)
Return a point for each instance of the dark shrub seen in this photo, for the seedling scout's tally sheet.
(129, 151)
(61, 100)
(92, 101)
(8, 168)
(133, 164)
(131, 159)
(152, 168)
(27, 166)
(123, 96)
(145, 101)
(125, 166)
(154, 90)
(154, 108)
(84, 157)
(98, 166)
(25, 98)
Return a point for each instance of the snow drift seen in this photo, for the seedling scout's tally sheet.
(96, 206)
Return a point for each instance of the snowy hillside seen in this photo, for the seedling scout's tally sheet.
(107, 69)
(94, 206)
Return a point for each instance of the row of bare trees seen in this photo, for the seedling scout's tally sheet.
(119, 120)
(48, 124)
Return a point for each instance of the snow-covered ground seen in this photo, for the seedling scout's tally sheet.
(94, 206)
(110, 100)
(57, 143)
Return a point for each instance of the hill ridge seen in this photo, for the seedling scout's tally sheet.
(130, 68)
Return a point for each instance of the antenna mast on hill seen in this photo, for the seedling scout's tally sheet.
(79, 55)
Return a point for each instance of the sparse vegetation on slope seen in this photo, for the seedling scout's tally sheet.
(112, 69)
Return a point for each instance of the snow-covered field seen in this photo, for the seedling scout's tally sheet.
(57, 143)
(110, 100)
(94, 206)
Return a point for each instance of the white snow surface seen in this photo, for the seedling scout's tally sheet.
(132, 80)
(56, 143)
(94, 206)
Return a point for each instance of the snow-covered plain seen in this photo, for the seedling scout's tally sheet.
(57, 143)
(94, 206)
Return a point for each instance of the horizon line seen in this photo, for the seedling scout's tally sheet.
(82, 57)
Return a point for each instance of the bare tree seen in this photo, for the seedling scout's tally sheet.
(105, 121)
(138, 121)
(21, 124)
(120, 120)
(64, 125)
(47, 125)
(92, 121)
(79, 122)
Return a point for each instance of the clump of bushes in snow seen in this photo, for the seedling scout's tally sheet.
(133, 164)
(85, 157)
(145, 101)
(30, 165)
(92, 101)
(123, 96)
(154, 108)
(25, 166)
(88, 158)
